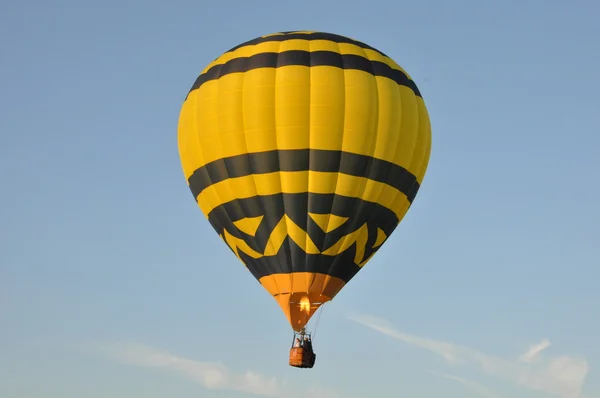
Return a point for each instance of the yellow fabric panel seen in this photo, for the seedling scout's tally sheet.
(258, 97)
(380, 237)
(248, 225)
(328, 222)
(327, 107)
(292, 109)
(236, 243)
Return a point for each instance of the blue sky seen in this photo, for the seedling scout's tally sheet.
(112, 284)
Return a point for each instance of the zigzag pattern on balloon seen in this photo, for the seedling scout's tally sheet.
(308, 232)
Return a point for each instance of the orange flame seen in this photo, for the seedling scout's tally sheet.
(305, 304)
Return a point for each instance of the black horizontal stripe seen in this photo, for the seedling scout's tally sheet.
(305, 58)
(294, 35)
(304, 159)
(290, 257)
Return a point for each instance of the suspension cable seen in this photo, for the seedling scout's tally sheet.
(320, 310)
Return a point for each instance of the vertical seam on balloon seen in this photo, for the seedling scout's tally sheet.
(261, 199)
(412, 152)
(285, 217)
(372, 155)
(416, 141)
(201, 152)
(368, 171)
(426, 144)
(235, 202)
(250, 164)
(195, 131)
(197, 138)
(399, 132)
(347, 227)
(397, 193)
(337, 178)
(308, 196)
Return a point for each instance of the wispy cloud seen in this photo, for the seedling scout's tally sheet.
(447, 350)
(534, 350)
(562, 376)
(211, 375)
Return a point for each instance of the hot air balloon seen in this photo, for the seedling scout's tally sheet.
(304, 150)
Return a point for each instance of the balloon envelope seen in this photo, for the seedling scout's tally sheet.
(304, 150)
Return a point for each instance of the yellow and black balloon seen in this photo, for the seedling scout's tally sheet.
(304, 150)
